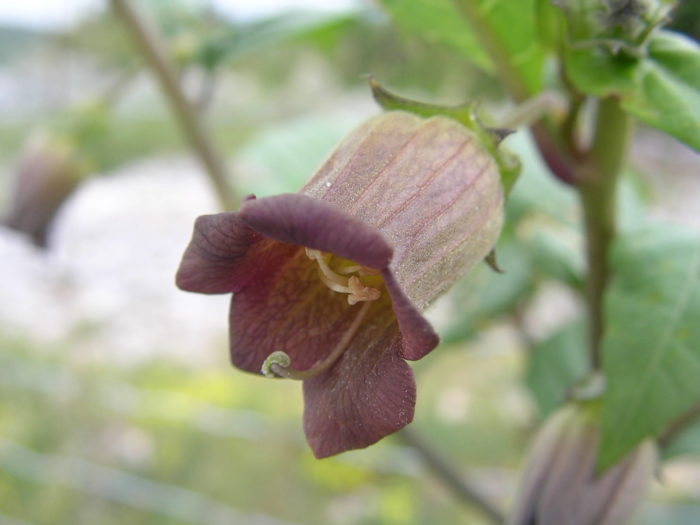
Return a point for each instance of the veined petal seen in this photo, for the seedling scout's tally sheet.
(369, 394)
(312, 223)
(303, 220)
(291, 310)
(217, 260)
(417, 335)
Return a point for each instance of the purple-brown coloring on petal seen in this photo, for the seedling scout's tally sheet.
(400, 210)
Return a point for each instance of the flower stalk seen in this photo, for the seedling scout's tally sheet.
(146, 39)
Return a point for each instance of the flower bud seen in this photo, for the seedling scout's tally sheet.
(618, 24)
(561, 485)
(49, 170)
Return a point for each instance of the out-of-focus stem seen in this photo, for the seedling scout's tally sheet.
(446, 471)
(150, 45)
(598, 194)
(677, 427)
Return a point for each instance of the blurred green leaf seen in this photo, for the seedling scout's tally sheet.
(557, 257)
(437, 21)
(512, 23)
(282, 158)
(486, 295)
(651, 348)
(262, 34)
(661, 89)
(536, 191)
(555, 365)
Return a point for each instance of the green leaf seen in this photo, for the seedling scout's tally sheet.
(651, 348)
(260, 35)
(485, 295)
(437, 21)
(555, 365)
(662, 89)
(281, 158)
(512, 23)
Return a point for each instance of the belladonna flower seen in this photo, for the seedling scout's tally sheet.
(328, 284)
(50, 169)
(561, 485)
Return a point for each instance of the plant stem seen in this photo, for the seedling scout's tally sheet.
(598, 193)
(152, 49)
(446, 471)
(679, 425)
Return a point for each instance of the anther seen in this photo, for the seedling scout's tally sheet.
(359, 292)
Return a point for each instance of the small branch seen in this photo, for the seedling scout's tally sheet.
(446, 471)
(598, 194)
(677, 427)
(150, 46)
(532, 110)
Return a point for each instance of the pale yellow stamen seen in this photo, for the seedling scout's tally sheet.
(360, 292)
(357, 291)
(358, 268)
(325, 269)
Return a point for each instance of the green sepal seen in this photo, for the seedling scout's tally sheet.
(508, 164)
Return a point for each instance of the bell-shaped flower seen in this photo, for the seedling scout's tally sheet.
(328, 284)
(561, 485)
(50, 168)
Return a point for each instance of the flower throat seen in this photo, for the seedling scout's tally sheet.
(340, 280)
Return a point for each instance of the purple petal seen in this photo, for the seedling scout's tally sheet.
(418, 337)
(217, 258)
(369, 394)
(291, 310)
(303, 220)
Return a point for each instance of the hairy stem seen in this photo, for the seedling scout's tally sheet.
(598, 193)
(447, 472)
(151, 47)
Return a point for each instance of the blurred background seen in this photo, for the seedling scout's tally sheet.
(118, 401)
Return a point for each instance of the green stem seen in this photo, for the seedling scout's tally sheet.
(446, 471)
(598, 193)
(150, 46)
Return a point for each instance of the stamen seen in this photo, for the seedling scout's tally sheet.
(333, 285)
(275, 365)
(362, 270)
(357, 291)
(360, 292)
(325, 269)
